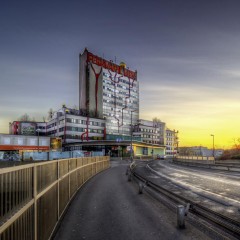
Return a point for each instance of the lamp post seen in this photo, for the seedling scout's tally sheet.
(38, 130)
(154, 126)
(131, 150)
(213, 145)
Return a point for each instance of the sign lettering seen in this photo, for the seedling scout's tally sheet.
(111, 66)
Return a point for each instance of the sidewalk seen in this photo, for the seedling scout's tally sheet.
(109, 207)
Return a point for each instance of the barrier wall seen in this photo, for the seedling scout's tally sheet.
(33, 197)
(196, 159)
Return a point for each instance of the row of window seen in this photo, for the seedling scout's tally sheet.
(119, 79)
(68, 136)
(148, 130)
(152, 142)
(119, 92)
(149, 136)
(84, 122)
(78, 129)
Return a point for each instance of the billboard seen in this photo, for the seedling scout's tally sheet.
(28, 128)
(56, 144)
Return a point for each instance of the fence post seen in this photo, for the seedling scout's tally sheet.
(58, 176)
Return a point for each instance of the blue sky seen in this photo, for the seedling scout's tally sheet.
(187, 54)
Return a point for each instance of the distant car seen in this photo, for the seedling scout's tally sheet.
(161, 156)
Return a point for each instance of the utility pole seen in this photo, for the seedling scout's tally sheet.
(131, 149)
(213, 145)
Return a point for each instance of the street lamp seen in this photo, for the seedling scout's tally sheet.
(38, 130)
(213, 144)
(154, 126)
(131, 150)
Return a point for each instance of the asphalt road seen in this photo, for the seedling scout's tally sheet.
(218, 190)
(109, 207)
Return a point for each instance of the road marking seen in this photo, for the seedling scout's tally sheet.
(198, 190)
(233, 182)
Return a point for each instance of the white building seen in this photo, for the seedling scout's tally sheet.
(171, 140)
(150, 132)
(71, 127)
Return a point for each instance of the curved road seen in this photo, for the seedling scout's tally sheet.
(109, 207)
(216, 189)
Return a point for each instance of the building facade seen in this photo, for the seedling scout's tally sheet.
(69, 125)
(172, 142)
(108, 91)
(152, 132)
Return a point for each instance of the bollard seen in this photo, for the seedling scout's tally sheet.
(129, 177)
(127, 171)
(181, 216)
(140, 187)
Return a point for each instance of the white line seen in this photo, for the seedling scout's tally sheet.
(233, 182)
(198, 190)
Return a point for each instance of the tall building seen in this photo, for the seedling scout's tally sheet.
(108, 91)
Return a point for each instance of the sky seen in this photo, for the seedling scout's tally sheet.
(186, 52)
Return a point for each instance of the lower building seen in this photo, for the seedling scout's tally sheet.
(152, 132)
(12, 147)
(171, 142)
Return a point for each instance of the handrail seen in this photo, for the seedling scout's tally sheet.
(33, 197)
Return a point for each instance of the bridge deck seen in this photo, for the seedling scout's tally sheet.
(109, 207)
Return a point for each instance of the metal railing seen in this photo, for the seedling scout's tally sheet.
(33, 197)
(196, 158)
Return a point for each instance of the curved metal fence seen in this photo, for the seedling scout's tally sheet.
(33, 197)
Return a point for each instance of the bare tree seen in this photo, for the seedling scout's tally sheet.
(27, 118)
(75, 107)
(156, 120)
(50, 114)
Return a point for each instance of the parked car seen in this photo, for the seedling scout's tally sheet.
(161, 156)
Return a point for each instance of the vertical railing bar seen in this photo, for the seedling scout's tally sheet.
(10, 192)
(17, 187)
(20, 181)
(1, 204)
(35, 200)
(68, 179)
(14, 189)
(5, 185)
(58, 195)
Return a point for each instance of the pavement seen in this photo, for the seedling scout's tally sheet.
(109, 207)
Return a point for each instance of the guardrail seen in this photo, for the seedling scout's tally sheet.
(228, 224)
(33, 197)
(207, 164)
(196, 158)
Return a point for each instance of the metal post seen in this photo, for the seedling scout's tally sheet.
(181, 216)
(131, 138)
(38, 141)
(213, 145)
(38, 130)
(131, 150)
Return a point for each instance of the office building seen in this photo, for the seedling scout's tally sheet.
(109, 91)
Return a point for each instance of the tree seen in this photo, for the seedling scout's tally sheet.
(25, 117)
(50, 114)
(156, 120)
